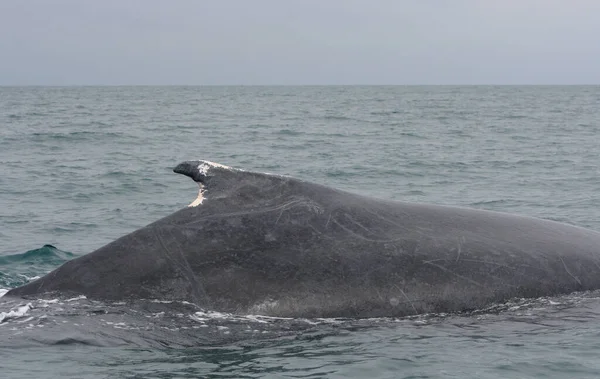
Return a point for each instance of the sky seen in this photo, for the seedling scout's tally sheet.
(299, 42)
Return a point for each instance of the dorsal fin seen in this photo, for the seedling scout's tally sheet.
(198, 170)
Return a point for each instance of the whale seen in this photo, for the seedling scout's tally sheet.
(257, 243)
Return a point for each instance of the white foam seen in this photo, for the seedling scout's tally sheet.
(29, 278)
(80, 297)
(46, 303)
(203, 316)
(15, 313)
(3, 292)
(26, 320)
(208, 315)
(265, 306)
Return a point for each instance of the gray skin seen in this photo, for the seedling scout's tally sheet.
(273, 245)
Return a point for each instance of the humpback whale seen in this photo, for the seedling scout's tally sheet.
(274, 245)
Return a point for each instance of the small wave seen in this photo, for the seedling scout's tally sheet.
(339, 118)
(77, 136)
(116, 174)
(289, 132)
(336, 173)
(259, 126)
(411, 135)
(19, 269)
(385, 113)
(46, 254)
(414, 193)
(488, 202)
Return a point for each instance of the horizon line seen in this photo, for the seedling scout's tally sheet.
(303, 85)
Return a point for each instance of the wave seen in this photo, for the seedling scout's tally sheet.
(288, 132)
(18, 269)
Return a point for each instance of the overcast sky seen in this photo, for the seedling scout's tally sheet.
(77, 42)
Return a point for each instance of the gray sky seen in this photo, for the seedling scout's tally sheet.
(74, 42)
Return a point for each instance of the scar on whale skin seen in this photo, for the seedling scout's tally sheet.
(203, 169)
(200, 197)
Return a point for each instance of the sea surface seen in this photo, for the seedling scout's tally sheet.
(82, 166)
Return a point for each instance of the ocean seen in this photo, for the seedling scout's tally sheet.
(82, 166)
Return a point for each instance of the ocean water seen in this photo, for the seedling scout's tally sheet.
(82, 166)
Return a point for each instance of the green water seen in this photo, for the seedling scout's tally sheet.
(81, 166)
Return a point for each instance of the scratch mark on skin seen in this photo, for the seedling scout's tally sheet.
(480, 261)
(241, 213)
(407, 298)
(363, 237)
(280, 214)
(352, 220)
(185, 268)
(460, 242)
(293, 204)
(328, 219)
(419, 230)
(569, 272)
(320, 233)
(453, 273)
